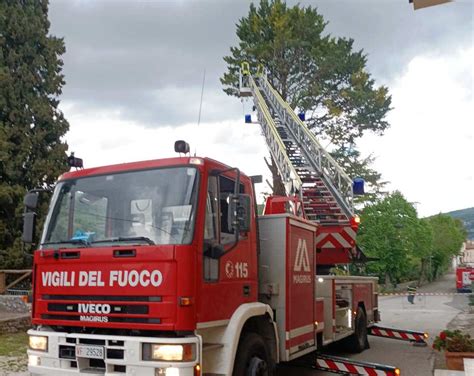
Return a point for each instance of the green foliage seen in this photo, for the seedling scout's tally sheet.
(31, 125)
(313, 71)
(389, 231)
(448, 236)
(408, 248)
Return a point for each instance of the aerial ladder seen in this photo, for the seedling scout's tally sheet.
(309, 173)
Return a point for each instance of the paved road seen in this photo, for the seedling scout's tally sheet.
(429, 314)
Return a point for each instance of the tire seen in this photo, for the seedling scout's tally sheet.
(358, 342)
(253, 357)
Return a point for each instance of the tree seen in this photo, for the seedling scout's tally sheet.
(32, 153)
(448, 236)
(423, 249)
(389, 231)
(313, 71)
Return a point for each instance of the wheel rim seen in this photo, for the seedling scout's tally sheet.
(257, 367)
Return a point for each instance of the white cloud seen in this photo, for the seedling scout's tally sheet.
(428, 152)
(103, 138)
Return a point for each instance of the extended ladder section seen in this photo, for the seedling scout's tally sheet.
(305, 166)
(271, 131)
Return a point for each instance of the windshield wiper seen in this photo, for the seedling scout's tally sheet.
(127, 239)
(83, 242)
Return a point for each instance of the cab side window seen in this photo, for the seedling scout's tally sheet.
(211, 235)
(226, 189)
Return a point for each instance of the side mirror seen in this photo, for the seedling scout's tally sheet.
(213, 251)
(239, 212)
(29, 225)
(31, 200)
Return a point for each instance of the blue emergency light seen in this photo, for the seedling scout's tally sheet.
(358, 186)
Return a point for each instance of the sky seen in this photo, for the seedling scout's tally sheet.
(134, 72)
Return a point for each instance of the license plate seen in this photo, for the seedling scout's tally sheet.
(93, 352)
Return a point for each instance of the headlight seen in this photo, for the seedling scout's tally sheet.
(39, 343)
(181, 353)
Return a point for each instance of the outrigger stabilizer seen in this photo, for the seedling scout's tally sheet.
(417, 338)
(344, 366)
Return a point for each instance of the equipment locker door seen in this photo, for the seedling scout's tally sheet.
(300, 286)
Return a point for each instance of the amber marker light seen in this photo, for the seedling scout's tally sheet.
(425, 335)
(185, 301)
(355, 220)
(197, 370)
(397, 372)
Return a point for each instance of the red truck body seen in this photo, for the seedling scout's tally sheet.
(464, 278)
(109, 296)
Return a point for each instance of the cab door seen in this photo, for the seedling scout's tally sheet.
(228, 279)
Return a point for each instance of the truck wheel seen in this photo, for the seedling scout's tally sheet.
(253, 358)
(358, 342)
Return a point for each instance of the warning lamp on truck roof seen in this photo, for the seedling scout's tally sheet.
(73, 161)
(181, 146)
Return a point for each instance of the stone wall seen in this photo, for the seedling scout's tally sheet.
(14, 314)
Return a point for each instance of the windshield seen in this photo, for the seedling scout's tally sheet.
(149, 207)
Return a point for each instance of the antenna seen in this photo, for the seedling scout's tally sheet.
(202, 94)
(200, 104)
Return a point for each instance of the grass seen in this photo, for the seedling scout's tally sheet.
(13, 344)
(13, 351)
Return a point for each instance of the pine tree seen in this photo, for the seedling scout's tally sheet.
(313, 71)
(32, 153)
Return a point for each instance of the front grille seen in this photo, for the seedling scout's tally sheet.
(67, 352)
(105, 298)
(95, 366)
(115, 354)
(114, 308)
(90, 341)
(140, 320)
(120, 369)
(114, 342)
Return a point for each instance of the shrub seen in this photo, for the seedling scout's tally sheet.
(453, 341)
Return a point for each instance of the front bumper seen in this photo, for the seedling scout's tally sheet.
(123, 356)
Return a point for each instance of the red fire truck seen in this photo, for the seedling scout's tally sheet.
(464, 278)
(465, 268)
(164, 268)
